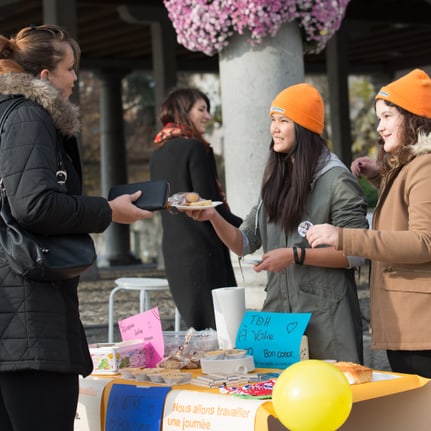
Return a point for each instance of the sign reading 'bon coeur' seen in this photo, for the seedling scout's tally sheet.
(273, 339)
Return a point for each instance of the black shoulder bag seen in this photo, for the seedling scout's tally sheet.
(38, 257)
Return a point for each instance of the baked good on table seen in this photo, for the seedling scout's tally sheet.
(355, 373)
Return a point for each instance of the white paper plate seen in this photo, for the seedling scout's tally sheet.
(377, 377)
(197, 207)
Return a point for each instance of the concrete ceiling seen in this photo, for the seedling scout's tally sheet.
(381, 36)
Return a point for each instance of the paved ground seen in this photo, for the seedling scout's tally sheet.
(94, 298)
(95, 289)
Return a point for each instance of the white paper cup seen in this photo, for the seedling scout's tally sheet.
(229, 308)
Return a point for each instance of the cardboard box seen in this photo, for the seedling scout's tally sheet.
(109, 358)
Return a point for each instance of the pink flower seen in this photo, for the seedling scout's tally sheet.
(207, 25)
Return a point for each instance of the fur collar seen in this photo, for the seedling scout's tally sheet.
(64, 114)
(422, 146)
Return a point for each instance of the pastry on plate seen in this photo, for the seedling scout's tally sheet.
(355, 373)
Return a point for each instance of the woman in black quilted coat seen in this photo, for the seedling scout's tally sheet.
(43, 348)
(196, 260)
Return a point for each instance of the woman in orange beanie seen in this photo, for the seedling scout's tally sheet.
(399, 244)
(303, 184)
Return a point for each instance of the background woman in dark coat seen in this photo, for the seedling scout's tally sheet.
(43, 344)
(196, 260)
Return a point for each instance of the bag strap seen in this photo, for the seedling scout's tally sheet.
(9, 108)
(61, 173)
(15, 102)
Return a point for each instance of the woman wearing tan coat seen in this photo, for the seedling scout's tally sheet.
(399, 244)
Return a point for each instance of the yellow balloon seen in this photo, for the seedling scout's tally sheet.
(312, 395)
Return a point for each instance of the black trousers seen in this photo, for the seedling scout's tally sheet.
(38, 400)
(410, 361)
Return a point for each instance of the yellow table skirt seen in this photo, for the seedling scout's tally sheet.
(266, 414)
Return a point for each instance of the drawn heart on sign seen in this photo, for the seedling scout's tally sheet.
(291, 327)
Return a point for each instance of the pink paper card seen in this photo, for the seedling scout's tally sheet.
(145, 326)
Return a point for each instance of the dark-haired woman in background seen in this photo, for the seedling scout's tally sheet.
(196, 261)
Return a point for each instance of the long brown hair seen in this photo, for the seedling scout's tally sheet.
(176, 107)
(287, 178)
(412, 125)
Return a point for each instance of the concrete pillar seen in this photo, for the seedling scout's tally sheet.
(250, 78)
(61, 13)
(163, 44)
(164, 63)
(337, 70)
(113, 161)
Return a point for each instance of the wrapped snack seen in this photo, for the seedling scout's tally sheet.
(184, 199)
(174, 362)
(258, 390)
(189, 352)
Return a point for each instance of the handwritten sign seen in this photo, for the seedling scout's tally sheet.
(145, 326)
(90, 397)
(135, 407)
(273, 339)
(197, 411)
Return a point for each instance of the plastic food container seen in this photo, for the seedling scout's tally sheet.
(200, 341)
(109, 358)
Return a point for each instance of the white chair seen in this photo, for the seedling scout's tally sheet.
(144, 285)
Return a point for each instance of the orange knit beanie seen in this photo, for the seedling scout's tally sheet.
(302, 104)
(411, 92)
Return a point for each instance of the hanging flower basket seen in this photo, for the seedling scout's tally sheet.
(208, 25)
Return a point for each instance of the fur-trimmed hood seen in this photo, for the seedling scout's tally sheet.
(64, 114)
(422, 146)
